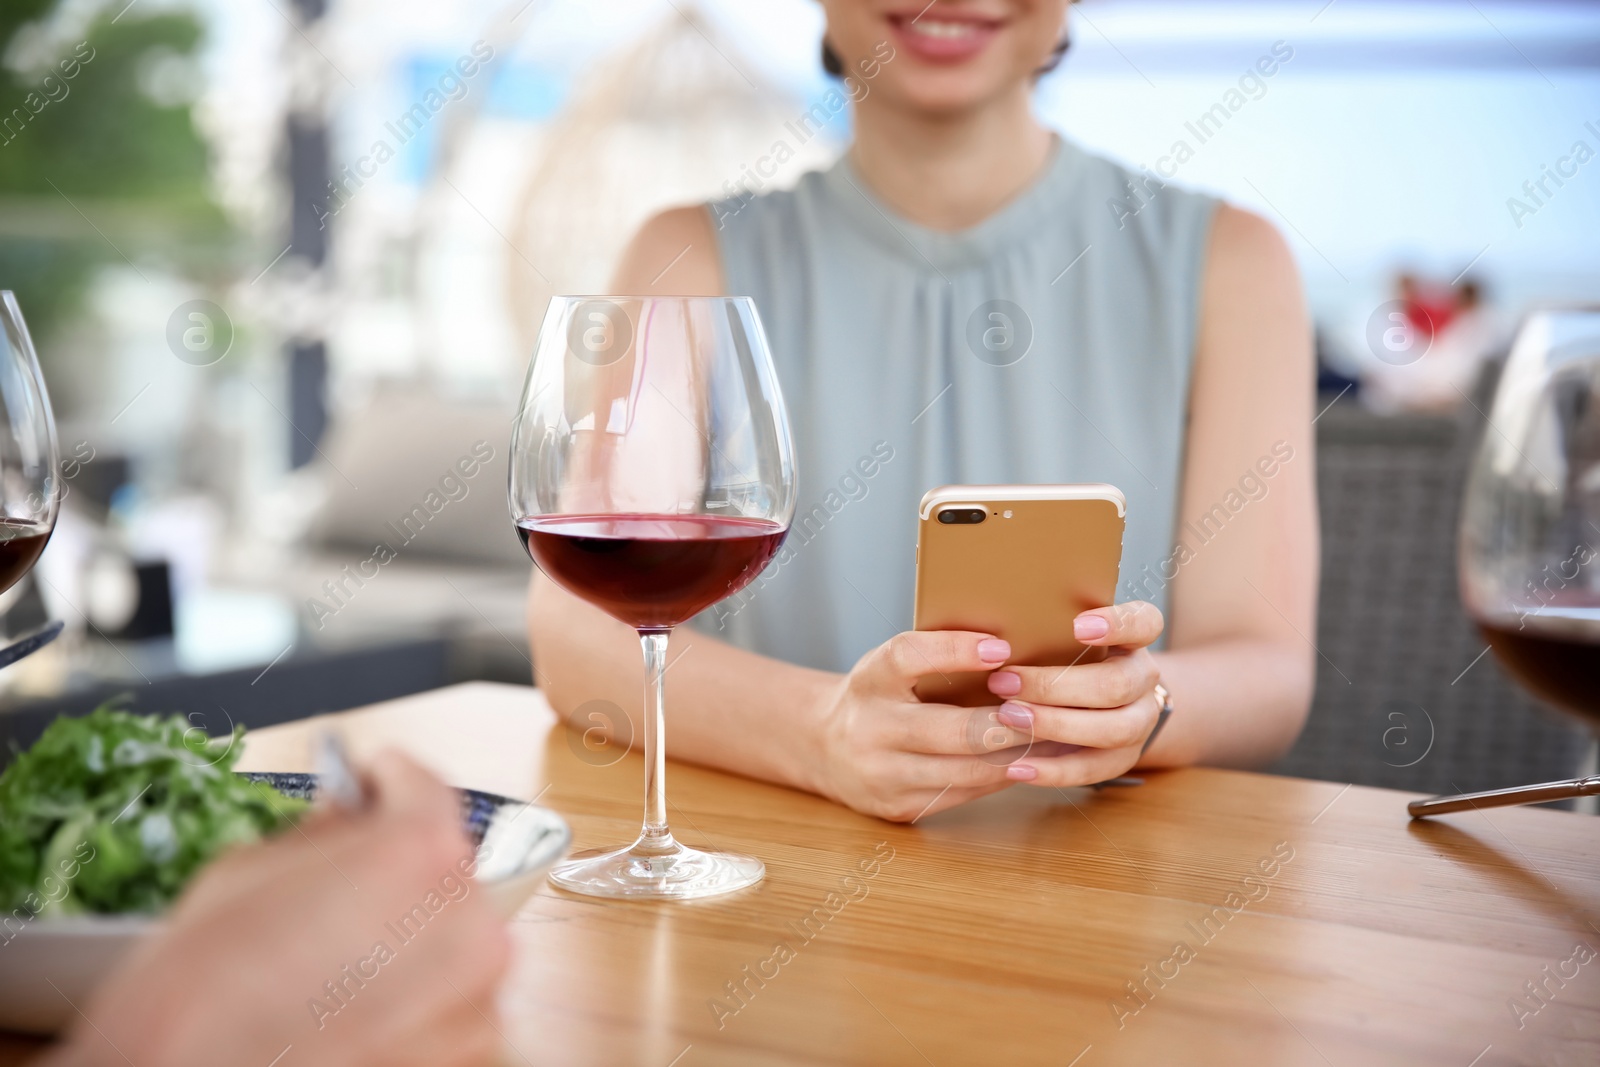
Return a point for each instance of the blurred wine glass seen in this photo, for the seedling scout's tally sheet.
(1530, 533)
(652, 475)
(29, 470)
(1530, 529)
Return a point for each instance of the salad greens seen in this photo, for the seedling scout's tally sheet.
(113, 812)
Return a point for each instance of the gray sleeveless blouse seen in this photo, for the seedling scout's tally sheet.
(1050, 343)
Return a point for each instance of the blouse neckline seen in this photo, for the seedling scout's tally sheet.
(1016, 221)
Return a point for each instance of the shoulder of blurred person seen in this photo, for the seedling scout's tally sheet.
(1472, 333)
(673, 254)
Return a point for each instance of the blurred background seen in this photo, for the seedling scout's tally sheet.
(284, 261)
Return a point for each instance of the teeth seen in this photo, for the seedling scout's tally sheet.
(930, 28)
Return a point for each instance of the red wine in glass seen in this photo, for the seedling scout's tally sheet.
(1554, 654)
(652, 475)
(21, 543)
(651, 571)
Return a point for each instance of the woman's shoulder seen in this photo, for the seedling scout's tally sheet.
(1249, 268)
(674, 252)
(755, 208)
(1126, 198)
(683, 247)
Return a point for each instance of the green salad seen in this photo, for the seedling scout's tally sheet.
(113, 812)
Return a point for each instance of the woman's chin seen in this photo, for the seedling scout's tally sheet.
(947, 92)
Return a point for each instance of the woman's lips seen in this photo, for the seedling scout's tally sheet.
(941, 38)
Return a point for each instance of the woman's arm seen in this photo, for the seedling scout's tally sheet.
(1242, 613)
(728, 705)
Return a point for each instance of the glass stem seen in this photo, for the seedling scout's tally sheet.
(655, 837)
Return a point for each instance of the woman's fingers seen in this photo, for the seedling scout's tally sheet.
(1084, 767)
(919, 803)
(1133, 624)
(905, 758)
(947, 730)
(913, 805)
(895, 665)
(945, 798)
(909, 770)
(1111, 683)
(1109, 728)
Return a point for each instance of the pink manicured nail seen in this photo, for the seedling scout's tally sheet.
(1017, 716)
(1021, 772)
(994, 650)
(1090, 627)
(1005, 684)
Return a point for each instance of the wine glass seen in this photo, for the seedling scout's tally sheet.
(29, 494)
(652, 474)
(30, 490)
(1530, 530)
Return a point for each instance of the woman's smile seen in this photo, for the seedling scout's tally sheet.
(941, 35)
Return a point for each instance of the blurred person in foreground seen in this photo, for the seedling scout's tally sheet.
(292, 943)
(967, 297)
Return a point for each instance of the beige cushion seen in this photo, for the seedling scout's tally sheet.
(422, 474)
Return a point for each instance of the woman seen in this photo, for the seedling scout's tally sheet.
(965, 297)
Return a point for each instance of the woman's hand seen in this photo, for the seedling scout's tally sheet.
(886, 753)
(1088, 721)
(241, 969)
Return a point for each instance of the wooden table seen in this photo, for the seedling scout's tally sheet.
(1207, 917)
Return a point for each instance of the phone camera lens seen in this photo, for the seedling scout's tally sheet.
(962, 516)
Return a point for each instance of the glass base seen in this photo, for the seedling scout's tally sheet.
(671, 873)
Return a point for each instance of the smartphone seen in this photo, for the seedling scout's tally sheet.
(1019, 562)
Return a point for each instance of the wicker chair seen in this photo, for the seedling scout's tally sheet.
(1404, 697)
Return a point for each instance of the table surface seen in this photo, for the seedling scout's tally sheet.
(1205, 917)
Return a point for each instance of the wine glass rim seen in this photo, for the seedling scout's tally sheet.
(1554, 311)
(12, 310)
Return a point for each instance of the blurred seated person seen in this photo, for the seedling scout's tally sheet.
(969, 297)
(1427, 307)
(266, 950)
(1454, 343)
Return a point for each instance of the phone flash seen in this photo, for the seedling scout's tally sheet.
(1006, 514)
